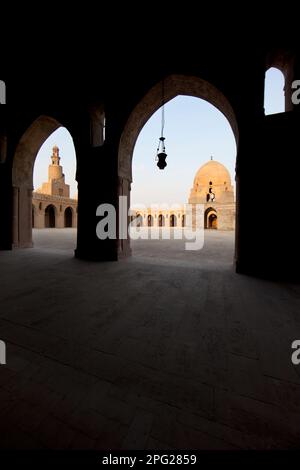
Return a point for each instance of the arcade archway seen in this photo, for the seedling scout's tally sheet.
(173, 220)
(161, 220)
(174, 85)
(68, 217)
(50, 216)
(210, 218)
(22, 177)
(150, 221)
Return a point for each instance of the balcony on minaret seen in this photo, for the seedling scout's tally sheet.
(55, 171)
(55, 155)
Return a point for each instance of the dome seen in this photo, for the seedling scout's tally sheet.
(214, 172)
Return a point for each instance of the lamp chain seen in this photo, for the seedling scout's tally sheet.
(162, 108)
(161, 139)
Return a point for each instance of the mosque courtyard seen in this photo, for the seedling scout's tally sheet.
(167, 349)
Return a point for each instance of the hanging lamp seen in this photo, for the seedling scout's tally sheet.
(161, 150)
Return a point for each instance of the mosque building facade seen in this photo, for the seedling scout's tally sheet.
(212, 189)
(52, 206)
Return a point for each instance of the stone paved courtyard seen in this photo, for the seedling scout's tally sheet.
(168, 349)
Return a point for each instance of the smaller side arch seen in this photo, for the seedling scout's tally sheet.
(33, 216)
(284, 61)
(173, 220)
(161, 220)
(139, 220)
(150, 220)
(210, 218)
(68, 217)
(50, 216)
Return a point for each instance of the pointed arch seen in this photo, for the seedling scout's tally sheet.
(161, 220)
(50, 216)
(150, 220)
(173, 220)
(174, 85)
(22, 176)
(274, 97)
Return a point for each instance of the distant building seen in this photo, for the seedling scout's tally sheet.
(52, 206)
(212, 188)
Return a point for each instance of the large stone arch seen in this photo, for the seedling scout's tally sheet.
(22, 177)
(174, 85)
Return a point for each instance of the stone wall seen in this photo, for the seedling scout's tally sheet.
(41, 201)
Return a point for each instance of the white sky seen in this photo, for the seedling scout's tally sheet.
(274, 91)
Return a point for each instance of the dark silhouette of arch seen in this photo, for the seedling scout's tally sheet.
(139, 220)
(22, 176)
(50, 216)
(161, 220)
(150, 220)
(68, 217)
(173, 220)
(212, 221)
(174, 85)
(210, 218)
(282, 59)
(32, 217)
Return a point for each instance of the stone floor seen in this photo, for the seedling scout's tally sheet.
(169, 349)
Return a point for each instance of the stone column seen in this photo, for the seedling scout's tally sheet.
(74, 220)
(97, 184)
(15, 216)
(167, 219)
(6, 201)
(40, 218)
(124, 188)
(22, 217)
